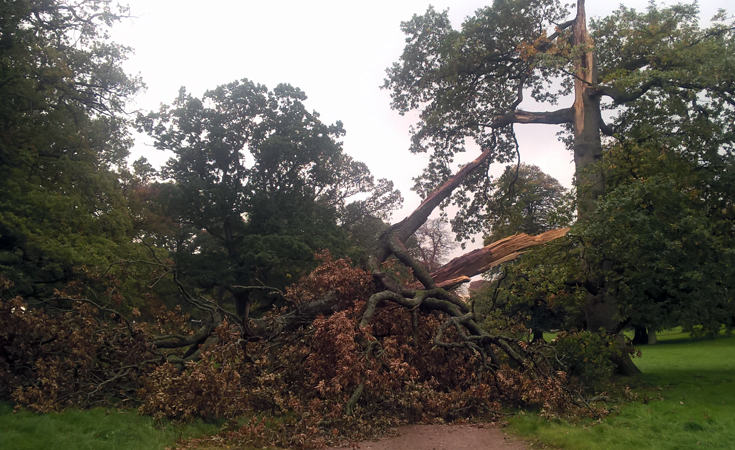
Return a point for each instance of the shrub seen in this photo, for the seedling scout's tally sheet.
(587, 356)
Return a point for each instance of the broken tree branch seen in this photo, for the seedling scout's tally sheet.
(483, 259)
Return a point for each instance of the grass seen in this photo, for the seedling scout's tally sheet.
(96, 429)
(686, 400)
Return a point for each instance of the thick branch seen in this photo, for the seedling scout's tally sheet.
(620, 97)
(565, 115)
(178, 341)
(559, 29)
(483, 259)
(408, 226)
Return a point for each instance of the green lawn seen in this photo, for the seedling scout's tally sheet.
(97, 429)
(686, 401)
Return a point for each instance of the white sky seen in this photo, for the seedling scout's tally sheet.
(336, 51)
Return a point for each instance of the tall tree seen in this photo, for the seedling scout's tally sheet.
(258, 184)
(434, 243)
(469, 84)
(63, 134)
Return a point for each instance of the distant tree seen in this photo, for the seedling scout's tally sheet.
(434, 243)
(258, 184)
(525, 200)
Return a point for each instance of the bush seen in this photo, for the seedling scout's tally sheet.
(587, 356)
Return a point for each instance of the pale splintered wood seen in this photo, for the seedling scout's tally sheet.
(485, 258)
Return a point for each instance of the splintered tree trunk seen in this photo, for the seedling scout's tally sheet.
(601, 309)
(483, 259)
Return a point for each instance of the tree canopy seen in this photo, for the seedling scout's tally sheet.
(258, 184)
(524, 200)
(656, 72)
(62, 139)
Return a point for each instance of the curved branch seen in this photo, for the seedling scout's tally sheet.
(606, 129)
(178, 341)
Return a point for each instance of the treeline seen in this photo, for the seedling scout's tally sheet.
(257, 271)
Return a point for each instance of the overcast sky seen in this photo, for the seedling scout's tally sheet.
(335, 51)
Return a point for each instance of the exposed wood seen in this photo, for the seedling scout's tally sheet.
(408, 226)
(484, 259)
(565, 115)
(454, 282)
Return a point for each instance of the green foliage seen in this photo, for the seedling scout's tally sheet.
(62, 94)
(524, 200)
(587, 356)
(666, 220)
(257, 185)
(665, 223)
(673, 262)
(535, 292)
(461, 80)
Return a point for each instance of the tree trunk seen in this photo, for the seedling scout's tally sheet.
(641, 336)
(652, 336)
(538, 335)
(601, 310)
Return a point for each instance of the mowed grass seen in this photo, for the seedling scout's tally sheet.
(96, 429)
(686, 400)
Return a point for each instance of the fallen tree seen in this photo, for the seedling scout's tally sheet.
(349, 346)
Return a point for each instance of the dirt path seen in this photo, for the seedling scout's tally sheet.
(444, 437)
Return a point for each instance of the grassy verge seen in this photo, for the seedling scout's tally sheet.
(96, 429)
(686, 400)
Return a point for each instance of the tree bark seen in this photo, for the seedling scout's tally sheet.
(601, 310)
(587, 120)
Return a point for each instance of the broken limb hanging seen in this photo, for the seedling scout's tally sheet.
(483, 259)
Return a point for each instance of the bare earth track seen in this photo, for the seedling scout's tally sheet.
(444, 437)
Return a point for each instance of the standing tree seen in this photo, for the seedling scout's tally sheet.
(258, 185)
(469, 85)
(524, 200)
(63, 137)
